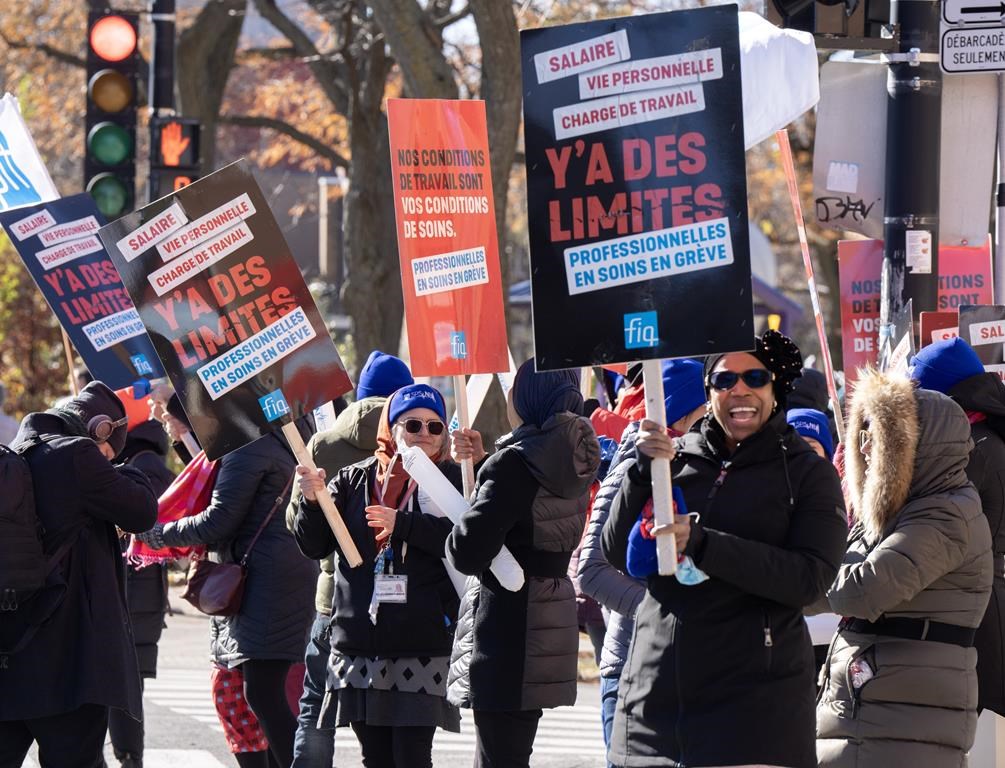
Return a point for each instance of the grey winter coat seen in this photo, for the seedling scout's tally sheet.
(618, 592)
(518, 650)
(921, 549)
(278, 603)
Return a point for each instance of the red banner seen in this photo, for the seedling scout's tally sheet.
(964, 279)
(939, 326)
(447, 244)
(964, 276)
(860, 263)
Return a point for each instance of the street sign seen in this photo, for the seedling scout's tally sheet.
(972, 36)
(972, 49)
(972, 12)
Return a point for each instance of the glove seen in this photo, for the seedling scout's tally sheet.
(154, 538)
(641, 556)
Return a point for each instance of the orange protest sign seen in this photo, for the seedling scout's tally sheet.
(447, 244)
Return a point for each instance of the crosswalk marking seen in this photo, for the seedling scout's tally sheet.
(164, 758)
(561, 731)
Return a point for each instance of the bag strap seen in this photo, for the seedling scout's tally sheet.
(268, 517)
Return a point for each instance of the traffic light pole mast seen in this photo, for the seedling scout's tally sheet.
(161, 90)
(914, 125)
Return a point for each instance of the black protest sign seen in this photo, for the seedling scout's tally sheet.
(58, 242)
(983, 328)
(636, 188)
(227, 309)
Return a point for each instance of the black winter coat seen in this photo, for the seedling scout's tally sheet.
(278, 603)
(721, 673)
(146, 588)
(84, 653)
(421, 626)
(519, 650)
(985, 394)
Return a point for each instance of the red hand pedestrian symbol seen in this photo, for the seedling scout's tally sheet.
(173, 144)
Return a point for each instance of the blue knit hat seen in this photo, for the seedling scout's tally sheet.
(944, 364)
(809, 422)
(382, 375)
(683, 388)
(416, 396)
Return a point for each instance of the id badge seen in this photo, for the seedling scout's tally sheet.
(390, 589)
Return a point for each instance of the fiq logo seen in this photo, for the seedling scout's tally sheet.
(141, 364)
(458, 345)
(274, 405)
(641, 330)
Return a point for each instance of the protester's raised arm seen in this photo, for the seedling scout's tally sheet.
(505, 493)
(121, 495)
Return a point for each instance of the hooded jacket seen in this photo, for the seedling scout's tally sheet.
(518, 650)
(421, 626)
(721, 673)
(146, 588)
(920, 549)
(83, 654)
(618, 592)
(276, 609)
(985, 394)
(352, 439)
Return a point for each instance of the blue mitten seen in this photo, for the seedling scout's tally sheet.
(641, 555)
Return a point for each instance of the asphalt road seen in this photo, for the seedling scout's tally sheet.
(182, 730)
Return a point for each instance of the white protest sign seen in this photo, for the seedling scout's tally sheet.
(23, 177)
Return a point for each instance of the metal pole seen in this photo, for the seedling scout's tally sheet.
(999, 261)
(914, 126)
(161, 82)
(324, 246)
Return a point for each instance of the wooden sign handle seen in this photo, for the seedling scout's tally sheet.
(666, 546)
(464, 419)
(345, 542)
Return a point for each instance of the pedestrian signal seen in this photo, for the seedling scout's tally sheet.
(174, 156)
(110, 123)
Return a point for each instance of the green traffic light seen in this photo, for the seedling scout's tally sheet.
(109, 143)
(109, 193)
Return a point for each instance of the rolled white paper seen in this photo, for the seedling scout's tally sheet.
(419, 466)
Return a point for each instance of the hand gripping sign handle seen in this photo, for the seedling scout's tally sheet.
(464, 420)
(666, 545)
(345, 543)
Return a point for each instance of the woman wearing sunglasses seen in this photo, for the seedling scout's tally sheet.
(393, 616)
(721, 670)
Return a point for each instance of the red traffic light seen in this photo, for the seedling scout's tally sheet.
(113, 38)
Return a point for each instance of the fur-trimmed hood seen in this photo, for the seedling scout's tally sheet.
(920, 446)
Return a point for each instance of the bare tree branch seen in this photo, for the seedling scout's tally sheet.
(418, 48)
(452, 18)
(326, 72)
(280, 53)
(280, 126)
(48, 50)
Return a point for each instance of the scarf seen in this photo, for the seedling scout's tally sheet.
(391, 475)
(188, 495)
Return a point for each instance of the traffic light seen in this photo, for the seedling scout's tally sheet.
(110, 124)
(174, 154)
(847, 24)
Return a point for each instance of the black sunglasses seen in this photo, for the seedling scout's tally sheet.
(414, 426)
(755, 378)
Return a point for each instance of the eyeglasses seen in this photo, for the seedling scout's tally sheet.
(755, 378)
(864, 438)
(414, 426)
